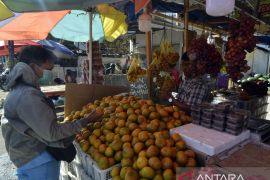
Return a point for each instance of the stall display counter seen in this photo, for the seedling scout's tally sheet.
(56, 90)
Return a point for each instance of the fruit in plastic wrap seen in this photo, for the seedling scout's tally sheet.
(135, 71)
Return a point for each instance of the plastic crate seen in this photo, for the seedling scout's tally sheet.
(81, 157)
(64, 177)
(81, 174)
(95, 172)
(103, 174)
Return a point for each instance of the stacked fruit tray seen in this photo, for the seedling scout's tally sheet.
(221, 117)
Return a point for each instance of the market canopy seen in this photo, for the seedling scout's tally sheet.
(52, 5)
(31, 26)
(5, 12)
(17, 46)
(108, 23)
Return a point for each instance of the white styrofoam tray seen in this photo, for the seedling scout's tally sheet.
(208, 141)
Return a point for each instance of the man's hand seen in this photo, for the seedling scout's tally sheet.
(94, 116)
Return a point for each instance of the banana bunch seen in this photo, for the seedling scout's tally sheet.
(135, 71)
(166, 47)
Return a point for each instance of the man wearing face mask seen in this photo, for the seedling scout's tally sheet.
(194, 89)
(30, 125)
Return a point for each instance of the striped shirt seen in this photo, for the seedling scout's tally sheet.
(193, 91)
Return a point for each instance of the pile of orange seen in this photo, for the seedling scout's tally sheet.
(135, 133)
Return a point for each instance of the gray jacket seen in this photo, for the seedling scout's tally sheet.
(30, 124)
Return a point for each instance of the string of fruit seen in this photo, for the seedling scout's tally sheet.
(135, 133)
(135, 71)
(208, 58)
(164, 59)
(241, 39)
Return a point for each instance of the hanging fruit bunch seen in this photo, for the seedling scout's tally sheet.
(241, 39)
(164, 59)
(135, 70)
(208, 59)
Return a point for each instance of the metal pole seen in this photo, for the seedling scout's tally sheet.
(90, 47)
(186, 18)
(11, 53)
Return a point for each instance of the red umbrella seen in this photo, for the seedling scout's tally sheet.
(17, 46)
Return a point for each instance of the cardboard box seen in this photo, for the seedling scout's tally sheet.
(78, 95)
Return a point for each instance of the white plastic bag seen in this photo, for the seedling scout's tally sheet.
(219, 7)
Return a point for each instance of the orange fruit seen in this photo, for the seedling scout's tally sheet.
(141, 119)
(169, 109)
(169, 142)
(134, 140)
(143, 136)
(119, 109)
(132, 126)
(109, 137)
(115, 171)
(111, 161)
(163, 113)
(97, 143)
(152, 151)
(152, 127)
(132, 118)
(135, 132)
(123, 131)
(138, 111)
(102, 148)
(151, 108)
(176, 115)
(103, 163)
(154, 115)
(130, 111)
(128, 152)
(190, 153)
(141, 162)
(147, 172)
(126, 138)
(143, 126)
(160, 142)
(138, 147)
(191, 162)
(149, 142)
(118, 156)
(170, 125)
(166, 151)
(180, 145)
(181, 158)
(142, 153)
(168, 174)
(176, 137)
(167, 163)
(145, 112)
(121, 123)
(126, 144)
(155, 163)
(109, 152)
(126, 162)
(116, 145)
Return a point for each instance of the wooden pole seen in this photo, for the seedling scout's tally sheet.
(186, 19)
(149, 57)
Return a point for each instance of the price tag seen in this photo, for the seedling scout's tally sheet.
(139, 88)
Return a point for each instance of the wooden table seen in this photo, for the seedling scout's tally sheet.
(56, 90)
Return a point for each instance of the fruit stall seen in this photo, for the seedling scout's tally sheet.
(143, 138)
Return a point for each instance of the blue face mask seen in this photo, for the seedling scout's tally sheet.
(47, 77)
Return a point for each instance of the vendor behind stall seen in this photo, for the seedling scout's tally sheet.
(194, 89)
